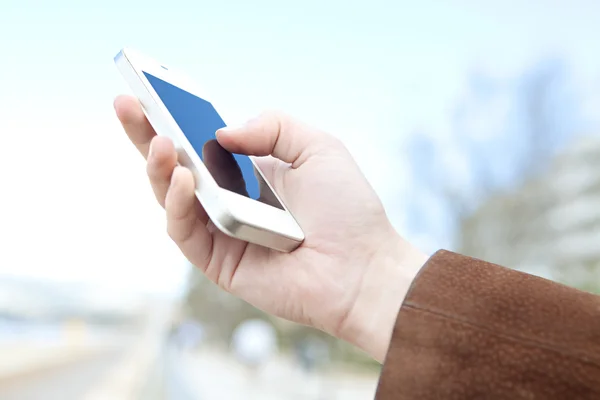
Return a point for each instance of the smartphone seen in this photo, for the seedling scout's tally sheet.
(231, 187)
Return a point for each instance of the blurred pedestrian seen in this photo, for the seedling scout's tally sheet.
(253, 343)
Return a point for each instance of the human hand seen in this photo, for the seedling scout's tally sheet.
(349, 276)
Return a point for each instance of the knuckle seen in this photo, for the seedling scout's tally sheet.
(152, 171)
(159, 198)
(336, 141)
(173, 231)
(270, 114)
(274, 117)
(328, 143)
(158, 174)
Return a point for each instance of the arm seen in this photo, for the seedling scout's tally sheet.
(468, 329)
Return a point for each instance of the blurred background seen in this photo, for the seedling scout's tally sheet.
(478, 124)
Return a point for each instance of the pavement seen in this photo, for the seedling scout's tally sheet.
(143, 365)
(215, 375)
(20, 360)
(64, 381)
(134, 369)
(98, 366)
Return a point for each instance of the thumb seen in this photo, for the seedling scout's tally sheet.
(278, 135)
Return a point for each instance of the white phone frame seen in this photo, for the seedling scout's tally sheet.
(235, 215)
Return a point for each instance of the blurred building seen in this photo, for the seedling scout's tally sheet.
(550, 225)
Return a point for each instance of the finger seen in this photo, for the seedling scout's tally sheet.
(185, 224)
(162, 160)
(275, 134)
(135, 123)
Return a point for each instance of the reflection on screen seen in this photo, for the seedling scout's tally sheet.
(199, 121)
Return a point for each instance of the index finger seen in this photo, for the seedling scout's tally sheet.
(136, 125)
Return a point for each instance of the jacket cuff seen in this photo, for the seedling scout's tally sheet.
(472, 329)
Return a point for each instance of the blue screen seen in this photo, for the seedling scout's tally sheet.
(198, 120)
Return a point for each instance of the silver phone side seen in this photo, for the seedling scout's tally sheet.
(212, 197)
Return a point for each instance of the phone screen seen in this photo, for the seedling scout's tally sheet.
(198, 120)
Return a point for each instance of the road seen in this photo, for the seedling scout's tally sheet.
(215, 375)
(70, 382)
(206, 375)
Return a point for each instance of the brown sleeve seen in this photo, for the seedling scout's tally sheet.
(474, 330)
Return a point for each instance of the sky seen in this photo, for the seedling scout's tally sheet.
(76, 205)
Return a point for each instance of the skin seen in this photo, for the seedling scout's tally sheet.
(350, 275)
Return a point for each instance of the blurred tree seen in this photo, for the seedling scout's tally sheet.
(523, 191)
(503, 132)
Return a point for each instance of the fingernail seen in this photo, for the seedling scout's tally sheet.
(227, 130)
(236, 128)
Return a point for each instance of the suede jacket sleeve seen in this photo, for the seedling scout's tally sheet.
(473, 330)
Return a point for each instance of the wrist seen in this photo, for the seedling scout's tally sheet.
(370, 322)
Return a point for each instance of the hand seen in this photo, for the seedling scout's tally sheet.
(351, 273)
